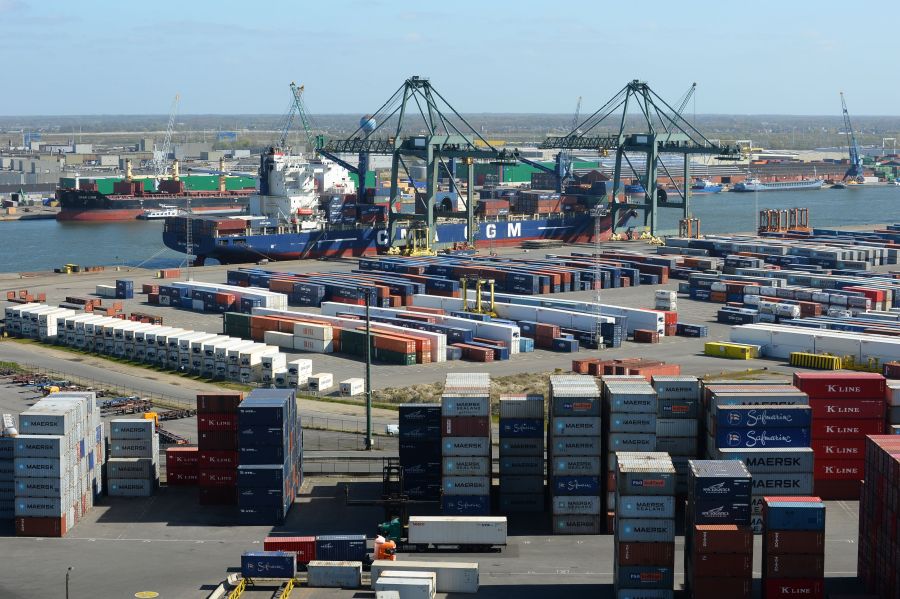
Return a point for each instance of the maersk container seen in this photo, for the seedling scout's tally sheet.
(450, 577)
(783, 483)
(640, 442)
(632, 423)
(770, 460)
(762, 437)
(131, 468)
(517, 465)
(522, 503)
(576, 504)
(37, 467)
(764, 416)
(457, 530)
(134, 448)
(131, 428)
(43, 422)
(466, 505)
(630, 403)
(466, 446)
(466, 466)
(672, 387)
(465, 405)
(645, 506)
(466, 485)
(42, 507)
(522, 427)
(130, 487)
(268, 564)
(645, 530)
(575, 427)
(40, 446)
(575, 485)
(522, 484)
(521, 447)
(341, 548)
(576, 446)
(40, 487)
(577, 524)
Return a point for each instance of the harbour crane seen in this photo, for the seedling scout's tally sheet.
(161, 155)
(855, 171)
(577, 114)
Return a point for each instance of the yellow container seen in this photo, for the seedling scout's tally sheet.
(732, 351)
(819, 361)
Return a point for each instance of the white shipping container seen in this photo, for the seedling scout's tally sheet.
(41, 487)
(450, 577)
(457, 530)
(322, 381)
(310, 330)
(42, 507)
(122, 429)
(40, 446)
(282, 340)
(354, 386)
(466, 446)
(300, 367)
(131, 468)
(313, 345)
(134, 448)
(407, 588)
(130, 487)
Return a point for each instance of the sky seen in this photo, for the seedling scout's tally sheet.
(66, 57)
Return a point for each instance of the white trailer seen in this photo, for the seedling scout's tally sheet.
(474, 533)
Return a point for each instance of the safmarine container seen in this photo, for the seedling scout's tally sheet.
(268, 564)
(466, 505)
(531, 428)
(764, 417)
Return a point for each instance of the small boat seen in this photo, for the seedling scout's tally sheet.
(159, 213)
(701, 185)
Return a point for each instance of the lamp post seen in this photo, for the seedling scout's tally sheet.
(370, 442)
(68, 570)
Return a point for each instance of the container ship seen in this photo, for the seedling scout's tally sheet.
(128, 198)
(757, 185)
(309, 209)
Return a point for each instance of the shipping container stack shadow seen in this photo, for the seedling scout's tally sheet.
(522, 431)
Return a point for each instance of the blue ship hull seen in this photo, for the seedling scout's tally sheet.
(360, 241)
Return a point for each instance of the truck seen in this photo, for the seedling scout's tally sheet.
(462, 533)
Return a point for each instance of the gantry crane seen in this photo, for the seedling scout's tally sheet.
(855, 171)
(395, 129)
(161, 155)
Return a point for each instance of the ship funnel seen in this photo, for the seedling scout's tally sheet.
(128, 175)
(222, 174)
(176, 173)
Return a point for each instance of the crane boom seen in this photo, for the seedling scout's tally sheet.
(577, 114)
(855, 171)
(161, 156)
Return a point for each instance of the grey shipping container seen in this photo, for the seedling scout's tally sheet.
(531, 406)
(521, 447)
(451, 577)
(514, 503)
(576, 466)
(577, 524)
(130, 487)
(576, 446)
(466, 446)
(642, 442)
(130, 468)
(645, 530)
(645, 506)
(465, 405)
(676, 387)
(678, 408)
(521, 465)
(521, 484)
(677, 446)
(40, 446)
(466, 485)
(782, 483)
(632, 402)
(567, 406)
(346, 575)
(771, 461)
(632, 423)
(573, 426)
(574, 504)
(466, 466)
(676, 427)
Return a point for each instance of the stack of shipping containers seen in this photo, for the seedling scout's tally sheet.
(793, 552)
(574, 455)
(740, 417)
(420, 450)
(630, 407)
(879, 513)
(133, 466)
(644, 540)
(522, 454)
(217, 433)
(846, 406)
(677, 426)
(270, 454)
(182, 466)
(58, 458)
(718, 540)
(7, 472)
(466, 439)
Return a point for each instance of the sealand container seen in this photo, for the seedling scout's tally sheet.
(645, 506)
(645, 530)
(450, 577)
(465, 405)
(575, 426)
(268, 564)
(576, 466)
(589, 505)
(323, 574)
(466, 466)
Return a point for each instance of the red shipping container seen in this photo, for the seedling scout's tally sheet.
(217, 495)
(795, 541)
(218, 478)
(720, 588)
(182, 456)
(219, 403)
(846, 429)
(646, 554)
(466, 426)
(217, 422)
(839, 469)
(834, 490)
(840, 384)
(824, 408)
(218, 440)
(730, 565)
(794, 566)
(304, 547)
(182, 478)
(791, 588)
(847, 449)
(722, 538)
(213, 459)
(41, 527)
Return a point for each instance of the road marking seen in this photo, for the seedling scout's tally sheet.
(146, 594)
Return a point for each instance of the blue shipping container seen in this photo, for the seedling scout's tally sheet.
(466, 505)
(529, 428)
(575, 485)
(763, 417)
(794, 515)
(262, 475)
(268, 564)
(720, 512)
(341, 548)
(762, 438)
